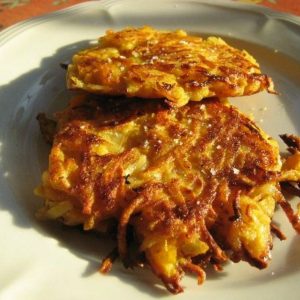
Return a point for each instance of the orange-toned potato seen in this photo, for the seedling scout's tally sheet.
(174, 65)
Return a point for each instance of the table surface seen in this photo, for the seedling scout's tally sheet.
(13, 11)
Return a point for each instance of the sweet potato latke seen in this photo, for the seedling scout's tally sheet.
(173, 65)
(181, 187)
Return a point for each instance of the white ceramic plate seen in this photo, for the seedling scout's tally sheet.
(42, 261)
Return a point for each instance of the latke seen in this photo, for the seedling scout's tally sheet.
(178, 67)
(180, 187)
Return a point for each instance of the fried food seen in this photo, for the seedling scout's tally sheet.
(182, 187)
(148, 63)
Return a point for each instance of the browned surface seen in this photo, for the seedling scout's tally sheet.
(186, 143)
(181, 183)
(148, 63)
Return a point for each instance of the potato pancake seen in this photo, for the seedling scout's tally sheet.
(178, 67)
(181, 187)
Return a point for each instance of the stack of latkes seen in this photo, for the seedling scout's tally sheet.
(151, 153)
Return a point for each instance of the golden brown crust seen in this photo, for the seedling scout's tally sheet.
(148, 63)
(175, 176)
(224, 129)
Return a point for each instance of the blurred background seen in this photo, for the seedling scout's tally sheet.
(13, 11)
